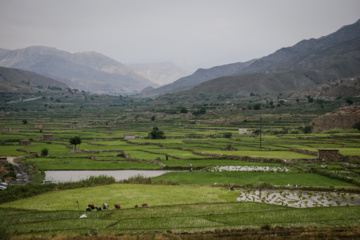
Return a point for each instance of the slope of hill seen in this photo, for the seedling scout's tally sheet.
(348, 87)
(342, 118)
(20, 81)
(306, 64)
(88, 71)
(161, 73)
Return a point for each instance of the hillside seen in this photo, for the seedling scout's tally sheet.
(87, 71)
(342, 118)
(306, 64)
(20, 81)
(348, 87)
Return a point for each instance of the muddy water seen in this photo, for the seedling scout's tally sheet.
(72, 176)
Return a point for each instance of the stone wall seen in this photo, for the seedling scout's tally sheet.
(331, 155)
(25, 142)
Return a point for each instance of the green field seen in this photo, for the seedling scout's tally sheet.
(127, 195)
(180, 201)
(254, 178)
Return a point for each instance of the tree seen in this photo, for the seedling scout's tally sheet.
(157, 134)
(257, 106)
(308, 129)
(349, 101)
(310, 99)
(24, 121)
(357, 125)
(183, 110)
(75, 141)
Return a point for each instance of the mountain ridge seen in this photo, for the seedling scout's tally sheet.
(88, 71)
(307, 63)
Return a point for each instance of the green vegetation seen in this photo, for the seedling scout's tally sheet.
(127, 195)
(201, 130)
(253, 178)
(75, 141)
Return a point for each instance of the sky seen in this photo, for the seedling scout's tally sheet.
(191, 33)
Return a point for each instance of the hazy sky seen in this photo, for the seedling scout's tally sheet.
(196, 33)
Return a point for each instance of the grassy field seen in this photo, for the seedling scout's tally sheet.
(127, 195)
(194, 204)
(254, 178)
(176, 218)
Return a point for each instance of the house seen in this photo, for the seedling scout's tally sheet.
(243, 131)
(330, 155)
(25, 142)
(129, 136)
(48, 137)
(6, 129)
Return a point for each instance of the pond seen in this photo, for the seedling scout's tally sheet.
(74, 175)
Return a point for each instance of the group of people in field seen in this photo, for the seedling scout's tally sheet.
(106, 206)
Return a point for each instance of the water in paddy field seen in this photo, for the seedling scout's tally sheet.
(300, 199)
(76, 175)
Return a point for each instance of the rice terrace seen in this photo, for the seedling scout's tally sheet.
(269, 181)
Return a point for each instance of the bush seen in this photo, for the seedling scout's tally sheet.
(44, 152)
(227, 135)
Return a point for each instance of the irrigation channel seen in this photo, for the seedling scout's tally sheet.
(76, 175)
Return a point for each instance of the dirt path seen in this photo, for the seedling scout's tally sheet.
(26, 100)
(21, 176)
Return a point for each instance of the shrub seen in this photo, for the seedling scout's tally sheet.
(227, 135)
(356, 126)
(44, 152)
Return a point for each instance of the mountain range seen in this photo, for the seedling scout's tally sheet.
(89, 71)
(306, 64)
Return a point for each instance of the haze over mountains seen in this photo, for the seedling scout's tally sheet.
(161, 73)
(88, 71)
(306, 64)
